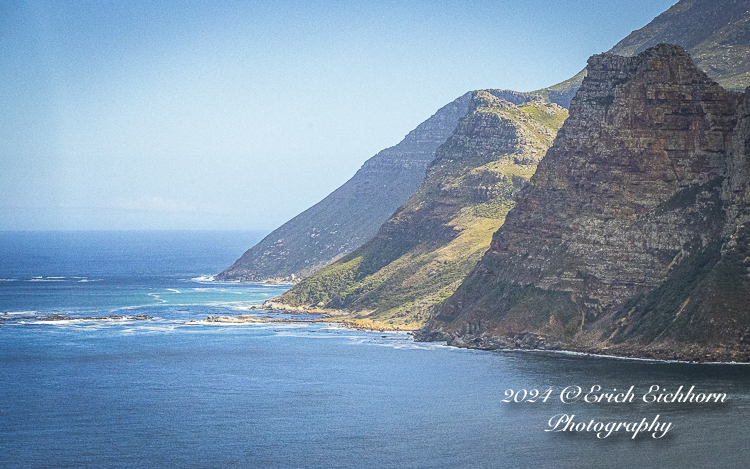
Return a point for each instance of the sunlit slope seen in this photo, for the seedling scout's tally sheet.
(424, 250)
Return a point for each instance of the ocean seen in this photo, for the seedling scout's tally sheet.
(174, 391)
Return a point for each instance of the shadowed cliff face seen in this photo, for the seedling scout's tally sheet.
(424, 250)
(703, 305)
(352, 214)
(624, 218)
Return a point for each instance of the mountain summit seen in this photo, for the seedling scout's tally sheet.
(716, 33)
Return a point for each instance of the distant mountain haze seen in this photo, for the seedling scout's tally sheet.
(352, 214)
(424, 250)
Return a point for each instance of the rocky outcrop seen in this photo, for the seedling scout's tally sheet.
(423, 251)
(714, 32)
(630, 236)
(352, 214)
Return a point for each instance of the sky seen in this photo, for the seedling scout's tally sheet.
(237, 115)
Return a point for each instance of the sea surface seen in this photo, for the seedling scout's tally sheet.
(175, 391)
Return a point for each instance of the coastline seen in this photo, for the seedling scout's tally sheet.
(345, 318)
(366, 325)
(677, 353)
(325, 317)
(520, 343)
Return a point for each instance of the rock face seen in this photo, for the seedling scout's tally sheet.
(352, 214)
(630, 237)
(714, 32)
(423, 251)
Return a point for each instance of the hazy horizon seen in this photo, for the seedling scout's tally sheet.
(239, 115)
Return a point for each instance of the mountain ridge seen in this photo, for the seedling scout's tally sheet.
(716, 33)
(422, 252)
(352, 214)
(631, 237)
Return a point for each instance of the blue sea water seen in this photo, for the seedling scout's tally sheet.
(170, 392)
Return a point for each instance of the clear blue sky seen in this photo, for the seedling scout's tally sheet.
(239, 115)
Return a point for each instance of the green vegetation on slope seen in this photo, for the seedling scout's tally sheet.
(426, 248)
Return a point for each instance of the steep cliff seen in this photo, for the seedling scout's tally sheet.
(423, 251)
(702, 309)
(629, 238)
(716, 33)
(352, 214)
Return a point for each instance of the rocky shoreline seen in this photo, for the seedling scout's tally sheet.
(331, 316)
(358, 324)
(531, 341)
(62, 317)
(479, 340)
(517, 342)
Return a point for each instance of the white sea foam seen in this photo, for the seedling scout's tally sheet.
(166, 327)
(203, 279)
(59, 322)
(252, 325)
(407, 345)
(102, 321)
(226, 324)
(402, 344)
(173, 290)
(394, 339)
(8, 279)
(233, 305)
(125, 308)
(156, 297)
(615, 357)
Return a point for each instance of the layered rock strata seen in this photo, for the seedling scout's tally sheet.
(630, 237)
(423, 251)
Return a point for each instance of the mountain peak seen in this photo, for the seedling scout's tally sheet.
(630, 237)
(716, 33)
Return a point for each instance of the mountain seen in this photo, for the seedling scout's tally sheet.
(352, 214)
(632, 236)
(423, 251)
(716, 33)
